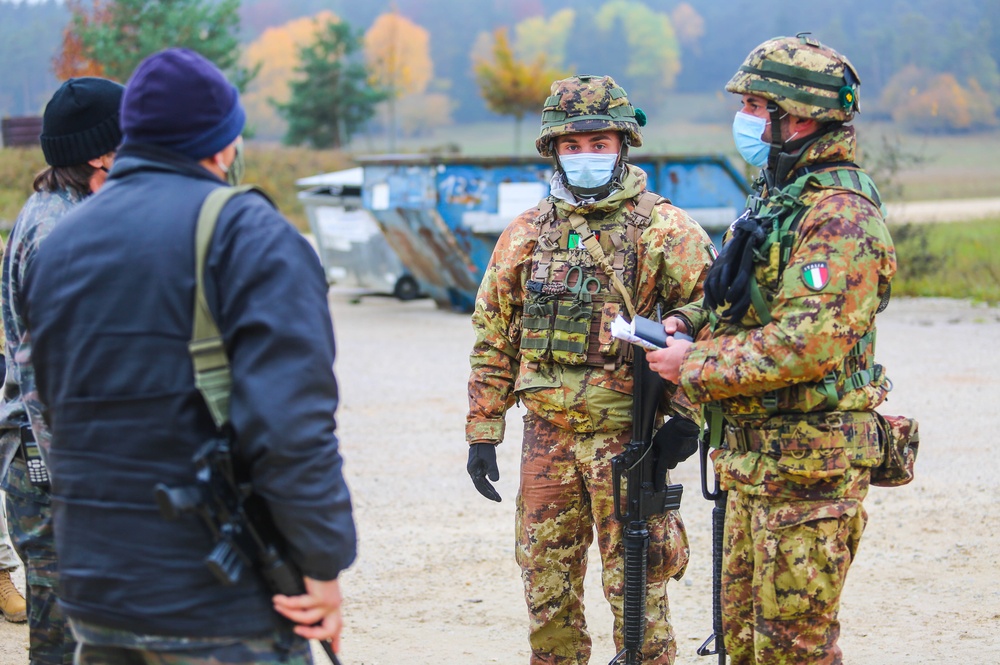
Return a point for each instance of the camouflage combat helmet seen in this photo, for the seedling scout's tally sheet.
(588, 104)
(802, 76)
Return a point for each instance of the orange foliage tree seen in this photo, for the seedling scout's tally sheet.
(276, 53)
(72, 59)
(511, 86)
(397, 52)
(924, 101)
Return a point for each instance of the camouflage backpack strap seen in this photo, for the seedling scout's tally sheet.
(842, 176)
(212, 375)
(837, 178)
(787, 208)
(546, 222)
(593, 245)
(642, 214)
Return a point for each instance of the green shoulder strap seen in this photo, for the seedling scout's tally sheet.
(788, 204)
(845, 179)
(208, 353)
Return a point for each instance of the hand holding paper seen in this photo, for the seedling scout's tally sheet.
(643, 332)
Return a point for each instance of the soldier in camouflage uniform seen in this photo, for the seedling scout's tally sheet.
(80, 133)
(542, 323)
(784, 359)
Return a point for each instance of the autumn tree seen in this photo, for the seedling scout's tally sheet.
(332, 98)
(651, 47)
(511, 86)
(118, 34)
(72, 59)
(276, 52)
(537, 36)
(922, 101)
(398, 55)
(689, 25)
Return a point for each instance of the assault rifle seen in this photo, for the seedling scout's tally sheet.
(715, 644)
(637, 465)
(241, 525)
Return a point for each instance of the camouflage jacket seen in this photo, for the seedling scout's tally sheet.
(811, 333)
(39, 216)
(672, 258)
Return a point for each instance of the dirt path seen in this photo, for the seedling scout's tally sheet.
(436, 580)
(959, 210)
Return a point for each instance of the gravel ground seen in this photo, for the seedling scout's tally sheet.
(436, 581)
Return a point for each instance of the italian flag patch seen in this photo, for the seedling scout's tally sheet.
(816, 275)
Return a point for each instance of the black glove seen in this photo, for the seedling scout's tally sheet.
(674, 442)
(482, 465)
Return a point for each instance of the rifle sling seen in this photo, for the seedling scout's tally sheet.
(212, 375)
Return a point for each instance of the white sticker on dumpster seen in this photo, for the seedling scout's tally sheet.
(513, 198)
(339, 228)
(380, 196)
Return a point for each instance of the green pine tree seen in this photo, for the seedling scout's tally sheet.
(119, 34)
(332, 100)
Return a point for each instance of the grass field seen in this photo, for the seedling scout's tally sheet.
(955, 260)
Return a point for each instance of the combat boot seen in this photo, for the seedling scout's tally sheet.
(12, 602)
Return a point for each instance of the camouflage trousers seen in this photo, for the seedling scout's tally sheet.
(565, 492)
(106, 646)
(29, 516)
(784, 567)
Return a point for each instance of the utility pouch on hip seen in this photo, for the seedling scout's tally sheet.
(38, 475)
(899, 440)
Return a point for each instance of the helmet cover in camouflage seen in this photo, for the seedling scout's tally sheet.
(588, 104)
(802, 76)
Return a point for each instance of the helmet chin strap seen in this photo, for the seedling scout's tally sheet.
(774, 111)
(784, 154)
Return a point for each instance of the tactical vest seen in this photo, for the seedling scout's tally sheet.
(785, 208)
(571, 299)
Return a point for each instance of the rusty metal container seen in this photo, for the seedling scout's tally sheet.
(351, 246)
(443, 214)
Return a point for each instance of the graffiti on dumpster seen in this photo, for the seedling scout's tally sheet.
(460, 190)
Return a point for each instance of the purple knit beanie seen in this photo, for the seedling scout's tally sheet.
(177, 99)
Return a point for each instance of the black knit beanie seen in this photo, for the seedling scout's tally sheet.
(81, 121)
(179, 100)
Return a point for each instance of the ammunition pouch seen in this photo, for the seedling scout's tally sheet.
(569, 330)
(899, 440)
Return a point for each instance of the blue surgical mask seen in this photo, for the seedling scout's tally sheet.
(588, 169)
(747, 130)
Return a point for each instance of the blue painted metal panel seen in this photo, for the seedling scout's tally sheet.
(443, 215)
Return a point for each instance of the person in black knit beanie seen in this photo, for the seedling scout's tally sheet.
(80, 134)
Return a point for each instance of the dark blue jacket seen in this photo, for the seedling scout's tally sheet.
(108, 301)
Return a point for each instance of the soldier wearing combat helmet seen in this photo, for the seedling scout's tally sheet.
(600, 244)
(784, 355)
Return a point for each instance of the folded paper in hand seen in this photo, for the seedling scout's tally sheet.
(641, 331)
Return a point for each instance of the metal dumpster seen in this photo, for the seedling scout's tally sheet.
(350, 244)
(443, 215)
